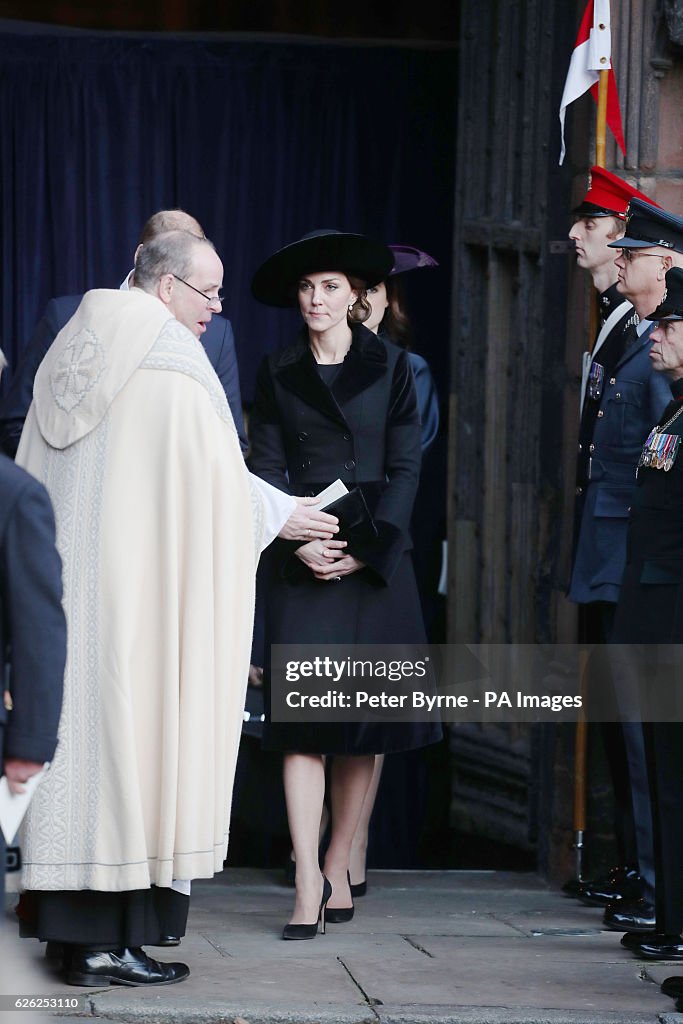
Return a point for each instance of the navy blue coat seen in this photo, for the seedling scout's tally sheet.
(427, 399)
(32, 625)
(650, 612)
(217, 340)
(632, 399)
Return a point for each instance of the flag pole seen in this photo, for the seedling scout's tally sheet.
(601, 127)
(581, 737)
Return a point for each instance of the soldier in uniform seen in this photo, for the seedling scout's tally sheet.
(649, 605)
(620, 397)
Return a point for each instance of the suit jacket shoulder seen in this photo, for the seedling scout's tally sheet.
(15, 405)
(32, 625)
(219, 343)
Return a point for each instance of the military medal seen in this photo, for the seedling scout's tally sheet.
(595, 379)
(660, 449)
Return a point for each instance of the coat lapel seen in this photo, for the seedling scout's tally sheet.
(365, 363)
(638, 345)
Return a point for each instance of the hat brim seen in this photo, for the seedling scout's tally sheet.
(407, 257)
(274, 283)
(631, 243)
(665, 312)
(586, 209)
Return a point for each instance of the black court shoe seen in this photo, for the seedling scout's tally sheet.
(340, 915)
(309, 931)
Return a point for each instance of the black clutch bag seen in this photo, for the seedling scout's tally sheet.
(355, 518)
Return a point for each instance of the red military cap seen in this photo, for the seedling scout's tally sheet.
(608, 195)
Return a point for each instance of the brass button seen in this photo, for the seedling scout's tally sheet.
(613, 380)
(600, 414)
(579, 490)
(618, 394)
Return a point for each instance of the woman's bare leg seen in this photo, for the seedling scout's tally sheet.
(304, 779)
(359, 846)
(350, 779)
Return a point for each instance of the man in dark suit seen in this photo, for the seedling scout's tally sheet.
(217, 339)
(620, 398)
(32, 629)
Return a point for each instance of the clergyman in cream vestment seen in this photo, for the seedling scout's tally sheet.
(160, 528)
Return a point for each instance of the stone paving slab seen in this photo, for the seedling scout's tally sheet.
(510, 1015)
(501, 974)
(423, 948)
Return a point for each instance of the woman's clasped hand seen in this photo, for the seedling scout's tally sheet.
(327, 559)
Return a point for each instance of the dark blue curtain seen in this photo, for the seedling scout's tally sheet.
(261, 139)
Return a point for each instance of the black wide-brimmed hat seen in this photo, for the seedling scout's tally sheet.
(274, 283)
(671, 306)
(648, 226)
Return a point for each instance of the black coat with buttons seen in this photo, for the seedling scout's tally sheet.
(650, 609)
(649, 619)
(365, 430)
(632, 399)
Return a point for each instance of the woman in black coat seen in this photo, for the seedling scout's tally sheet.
(338, 403)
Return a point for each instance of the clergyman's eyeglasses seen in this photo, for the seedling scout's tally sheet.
(211, 300)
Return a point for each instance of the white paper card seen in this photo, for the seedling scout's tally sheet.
(13, 806)
(330, 494)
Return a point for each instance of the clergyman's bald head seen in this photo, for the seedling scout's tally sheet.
(170, 220)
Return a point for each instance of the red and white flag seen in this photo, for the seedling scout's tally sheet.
(593, 54)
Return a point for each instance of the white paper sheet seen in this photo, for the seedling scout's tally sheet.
(13, 806)
(330, 494)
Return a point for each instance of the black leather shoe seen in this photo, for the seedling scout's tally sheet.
(359, 889)
(620, 883)
(309, 931)
(339, 915)
(632, 939)
(669, 947)
(167, 940)
(630, 916)
(121, 967)
(673, 986)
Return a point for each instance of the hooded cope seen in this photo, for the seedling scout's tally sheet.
(159, 529)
